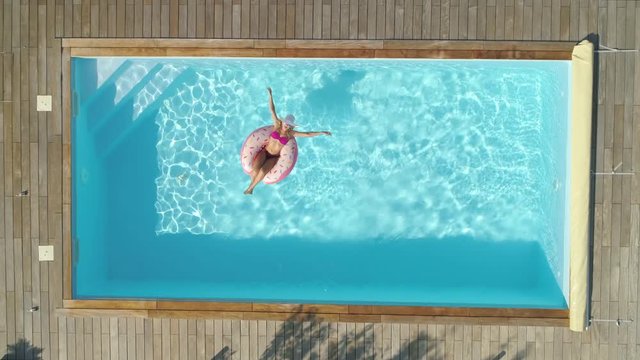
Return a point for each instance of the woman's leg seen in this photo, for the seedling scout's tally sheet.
(264, 170)
(258, 162)
(255, 167)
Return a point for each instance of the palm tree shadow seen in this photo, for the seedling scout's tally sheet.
(23, 350)
(300, 334)
(350, 347)
(225, 354)
(412, 349)
(520, 355)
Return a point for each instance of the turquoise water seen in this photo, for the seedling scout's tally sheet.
(444, 182)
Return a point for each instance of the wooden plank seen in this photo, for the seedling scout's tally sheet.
(445, 19)
(536, 49)
(236, 21)
(482, 20)
(263, 16)
(536, 20)
(518, 19)
(371, 19)
(254, 23)
(333, 44)
(165, 20)
(399, 18)
(270, 44)
(343, 20)
(326, 21)
(293, 308)
(454, 20)
(166, 52)
(564, 22)
(307, 22)
(463, 18)
(69, 312)
(66, 252)
(334, 18)
(199, 340)
(129, 21)
(527, 23)
(201, 12)
(110, 304)
(416, 14)
(138, 16)
(173, 16)
(271, 13)
(472, 21)
(360, 318)
(188, 305)
(314, 53)
(389, 19)
(490, 29)
(180, 314)
(546, 23)
(317, 19)
(191, 18)
(134, 45)
(159, 43)
(466, 54)
(79, 338)
(290, 21)
(555, 19)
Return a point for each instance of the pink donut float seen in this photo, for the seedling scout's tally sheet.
(255, 142)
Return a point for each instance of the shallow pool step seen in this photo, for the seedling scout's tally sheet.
(123, 109)
(130, 80)
(103, 96)
(155, 88)
(111, 140)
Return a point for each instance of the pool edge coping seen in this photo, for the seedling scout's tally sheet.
(418, 49)
(434, 49)
(320, 312)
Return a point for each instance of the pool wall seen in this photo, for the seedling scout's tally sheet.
(294, 48)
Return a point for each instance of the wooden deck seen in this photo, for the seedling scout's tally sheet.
(34, 146)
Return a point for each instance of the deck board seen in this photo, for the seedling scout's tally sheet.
(34, 146)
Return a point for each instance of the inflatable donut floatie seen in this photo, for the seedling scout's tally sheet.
(256, 142)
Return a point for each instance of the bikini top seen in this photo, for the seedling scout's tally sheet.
(283, 139)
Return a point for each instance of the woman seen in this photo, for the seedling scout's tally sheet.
(269, 155)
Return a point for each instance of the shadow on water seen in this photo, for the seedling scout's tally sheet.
(335, 96)
(300, 335)
(23, 350)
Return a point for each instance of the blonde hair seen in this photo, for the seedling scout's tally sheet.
(289, 131)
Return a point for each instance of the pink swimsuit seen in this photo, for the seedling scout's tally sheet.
(283, 139)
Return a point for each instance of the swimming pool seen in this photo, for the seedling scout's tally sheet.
(444, 184)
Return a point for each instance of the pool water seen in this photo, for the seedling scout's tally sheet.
(444, 182)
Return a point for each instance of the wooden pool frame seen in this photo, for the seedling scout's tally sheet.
(290, 49)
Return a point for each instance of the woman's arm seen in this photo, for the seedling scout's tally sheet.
(272, 107)
(311, 133)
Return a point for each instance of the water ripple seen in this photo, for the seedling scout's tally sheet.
(420, 150)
